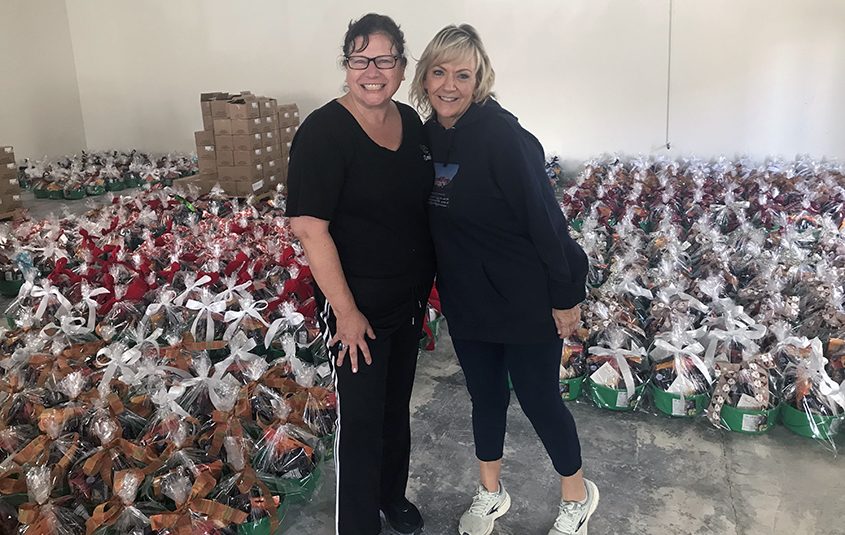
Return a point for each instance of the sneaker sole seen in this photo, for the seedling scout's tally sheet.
(504, 508)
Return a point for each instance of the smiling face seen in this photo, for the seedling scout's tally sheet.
(374, 87)
(450, 87)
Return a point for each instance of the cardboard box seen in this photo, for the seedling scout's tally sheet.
(9, 202)
(206, 107)
(7, 155)
(224, 142)
(208, 123)
(272, 153)
(271, 120)
(207, 166)
(288, 115)
(271, 167)
(269, 107)
(9, 184)
(222, 127)
(203, 183)
(214, 95)
(247, 157)
(225, 157)
(243, 110)
(206, 152)
(287, 133)
(204, 137)
(8, 170)
(246, 126)
(234, 173)
(220, 109)
(253, 187)
(270, 137)
(247, 141)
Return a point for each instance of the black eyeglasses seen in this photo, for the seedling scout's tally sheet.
(359, 63)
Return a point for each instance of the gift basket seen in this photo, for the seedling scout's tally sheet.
(813, 403)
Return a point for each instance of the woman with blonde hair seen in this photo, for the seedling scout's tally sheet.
(510, 277)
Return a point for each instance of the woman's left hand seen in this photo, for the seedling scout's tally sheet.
(567, 321)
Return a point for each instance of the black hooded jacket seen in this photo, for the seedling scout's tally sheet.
(504, 254)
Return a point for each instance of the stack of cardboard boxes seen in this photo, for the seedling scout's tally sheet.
(10, 190)
(244, 143)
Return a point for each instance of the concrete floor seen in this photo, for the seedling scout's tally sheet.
(656, 475)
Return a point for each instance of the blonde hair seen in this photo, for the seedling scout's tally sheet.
(450, 44)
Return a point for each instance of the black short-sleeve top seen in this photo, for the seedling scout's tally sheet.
(374, 199)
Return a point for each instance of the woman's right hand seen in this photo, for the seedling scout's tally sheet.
(351, 329)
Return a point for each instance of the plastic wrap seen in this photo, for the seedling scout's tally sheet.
(616, 373)
(744, 399)
(813, 403)
(42, 515)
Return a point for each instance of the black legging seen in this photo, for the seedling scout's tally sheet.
(534, 370)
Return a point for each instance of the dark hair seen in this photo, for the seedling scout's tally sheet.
(369, 24)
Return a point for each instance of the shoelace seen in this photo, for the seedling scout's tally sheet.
(483, 501)
(569, 516)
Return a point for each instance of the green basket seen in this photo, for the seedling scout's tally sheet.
(614, 399)
(673, 405)
(296, 490)
(570, 389)
(56, 195)
(132, 182)
(798, 421)
(747, 421)
(94, 191)
(41, 193)
(117, 185)
(262, 527)
(74, 194)
(10, 288)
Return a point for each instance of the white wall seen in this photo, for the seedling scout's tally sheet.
(586, 76)
(39, 96)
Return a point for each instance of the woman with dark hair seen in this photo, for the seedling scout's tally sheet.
(358, 181)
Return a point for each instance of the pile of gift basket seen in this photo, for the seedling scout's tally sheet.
(162, 370)
(95, 173)
(715, 289)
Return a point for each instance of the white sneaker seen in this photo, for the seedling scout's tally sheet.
(485, 509)
(573, 517)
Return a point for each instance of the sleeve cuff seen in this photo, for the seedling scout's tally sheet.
(566, 295)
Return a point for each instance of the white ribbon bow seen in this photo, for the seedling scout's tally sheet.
(233, 289)
(206, 308)
(290, 319)
(248, 308)
(137, 336)
(88, 296)
(743, 335)
(239, 351)
(45, 291)
(692, 351)
(628, 285)
(624, 368)
(119, 358)
(167, 400)
(223, 389)
(190, 286)
(68, 325)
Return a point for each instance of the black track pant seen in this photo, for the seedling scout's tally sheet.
(373, 438)
(534, 370)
